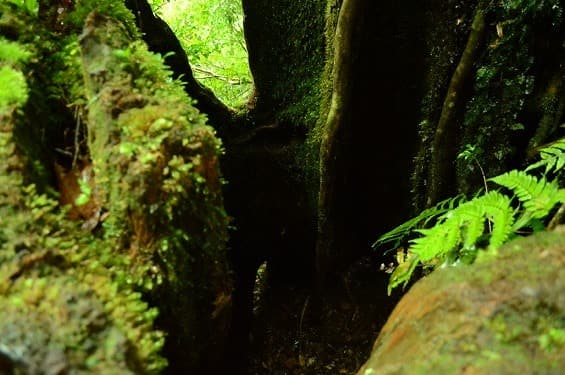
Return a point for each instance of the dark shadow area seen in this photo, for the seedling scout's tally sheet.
(382, 140)
(273, 222)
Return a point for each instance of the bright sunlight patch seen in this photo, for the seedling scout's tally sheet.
(211, 33)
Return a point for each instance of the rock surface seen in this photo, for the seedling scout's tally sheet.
(504, 314)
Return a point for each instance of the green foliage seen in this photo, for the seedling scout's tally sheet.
(18, 93)
(110, 8)
(12, 52)
(65, 285)
(504, 86)
(538, 197)
(69, 263)
(485, 222)
(552, 157)
(553, 339)
(30, 6)
(58, 282)
(461, 227)
(156, 168)
(211, 32)
(13, 87)
(398, 234)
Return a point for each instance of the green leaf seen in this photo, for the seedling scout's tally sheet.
(538, 197)
(403, 272)
(404, 230)
(552, 157)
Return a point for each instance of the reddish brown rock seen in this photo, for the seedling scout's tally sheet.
(504, 314)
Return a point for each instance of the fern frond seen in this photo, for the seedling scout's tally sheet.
(403, 272)
(397, 234)
(538, 197)
(498, 210)
(463, 226)
(552, 157)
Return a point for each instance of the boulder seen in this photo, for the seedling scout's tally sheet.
(503, 314)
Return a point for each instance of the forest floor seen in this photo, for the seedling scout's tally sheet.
(288, 340)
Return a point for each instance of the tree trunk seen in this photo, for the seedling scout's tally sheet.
(447, 135)
(346, 49)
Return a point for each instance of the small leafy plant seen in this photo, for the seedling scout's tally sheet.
(462, 228)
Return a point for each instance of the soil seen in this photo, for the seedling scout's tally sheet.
(289, 338)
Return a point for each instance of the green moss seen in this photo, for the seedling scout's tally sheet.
(12, 55)
(48, 259)
(288, 55)
(454, 321)
(504, 85)
(114, 9)
(63, 294)
(18, 92)
(156, 167)
(12, 52)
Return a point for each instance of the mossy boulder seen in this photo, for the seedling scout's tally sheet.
(112, 227)
(65, 303)
(504, 314)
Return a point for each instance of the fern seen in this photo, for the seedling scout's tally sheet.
(460, 228)
(552, 157)
(398, 234)
(538, 197)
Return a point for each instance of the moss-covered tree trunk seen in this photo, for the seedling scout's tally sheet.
(331, 241)
(446, 136)
(317, 162)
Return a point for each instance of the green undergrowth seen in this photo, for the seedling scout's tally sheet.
(211, 33)
(511, 102)
(458, 230)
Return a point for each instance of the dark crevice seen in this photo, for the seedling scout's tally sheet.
(273, 218)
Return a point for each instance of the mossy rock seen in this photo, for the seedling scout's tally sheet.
(504, 314)
(157, 172)
(62, 308)
(149, 262)
(57, 324)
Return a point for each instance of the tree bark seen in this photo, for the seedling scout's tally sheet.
(553, 105)
(346, 47)
(445, 143)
